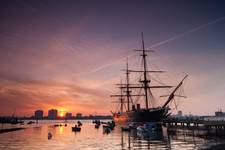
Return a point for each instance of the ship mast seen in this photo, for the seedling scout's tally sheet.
(145, 81)
(127, 87)
(121, 97)
(127, 91)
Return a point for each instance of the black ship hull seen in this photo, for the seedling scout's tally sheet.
(142, 115)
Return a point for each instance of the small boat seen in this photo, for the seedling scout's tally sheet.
(96, 121)
(79, 123)
(97, 126)
(149, 126)
(147, 129)
(152, 126)
(106, 126)
(110, 125)
(141, 129)
(133, 125)
(125, 129)
(76, 129)
(30, 122)
(142, 132)
(106, 129)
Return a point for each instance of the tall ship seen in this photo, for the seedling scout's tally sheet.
(131, 110)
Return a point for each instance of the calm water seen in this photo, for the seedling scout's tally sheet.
(35, 138)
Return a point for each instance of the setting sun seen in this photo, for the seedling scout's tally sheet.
(61, 114)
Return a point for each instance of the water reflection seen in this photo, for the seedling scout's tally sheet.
(36, 137)
(182, 139)
(135, 140)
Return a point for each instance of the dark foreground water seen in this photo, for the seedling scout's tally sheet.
(35, 137)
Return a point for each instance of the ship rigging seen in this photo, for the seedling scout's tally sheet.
(147, 113)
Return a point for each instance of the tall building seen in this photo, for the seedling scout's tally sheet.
(52, 113)
(68, 115)
(38, 114)
(78, 115)
(179, 113)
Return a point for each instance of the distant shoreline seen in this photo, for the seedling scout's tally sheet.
(7, 119)
(10, 130)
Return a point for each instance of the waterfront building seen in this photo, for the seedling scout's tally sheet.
(68, 115)
(52, 113)
(220, 113)
(78, 115)
(38, 114)
(179, 113)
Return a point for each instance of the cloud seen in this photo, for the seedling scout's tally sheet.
(28, 95)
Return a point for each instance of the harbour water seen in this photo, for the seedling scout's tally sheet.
(35, 137)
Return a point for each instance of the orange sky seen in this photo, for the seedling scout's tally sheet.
(69, 55)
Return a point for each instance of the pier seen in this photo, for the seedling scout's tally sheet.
(210, 125)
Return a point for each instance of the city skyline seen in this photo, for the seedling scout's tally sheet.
(68, 55)
(56, 114)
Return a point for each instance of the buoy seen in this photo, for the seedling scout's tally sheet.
(49, 135)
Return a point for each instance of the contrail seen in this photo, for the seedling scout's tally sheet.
(163, 42)
(187, 32)
(102, 67)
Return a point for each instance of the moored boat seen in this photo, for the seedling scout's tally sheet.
(76, 128)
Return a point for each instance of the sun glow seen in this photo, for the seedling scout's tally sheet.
(61, 114)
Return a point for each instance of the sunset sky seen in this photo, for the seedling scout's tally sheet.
(69, 54)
